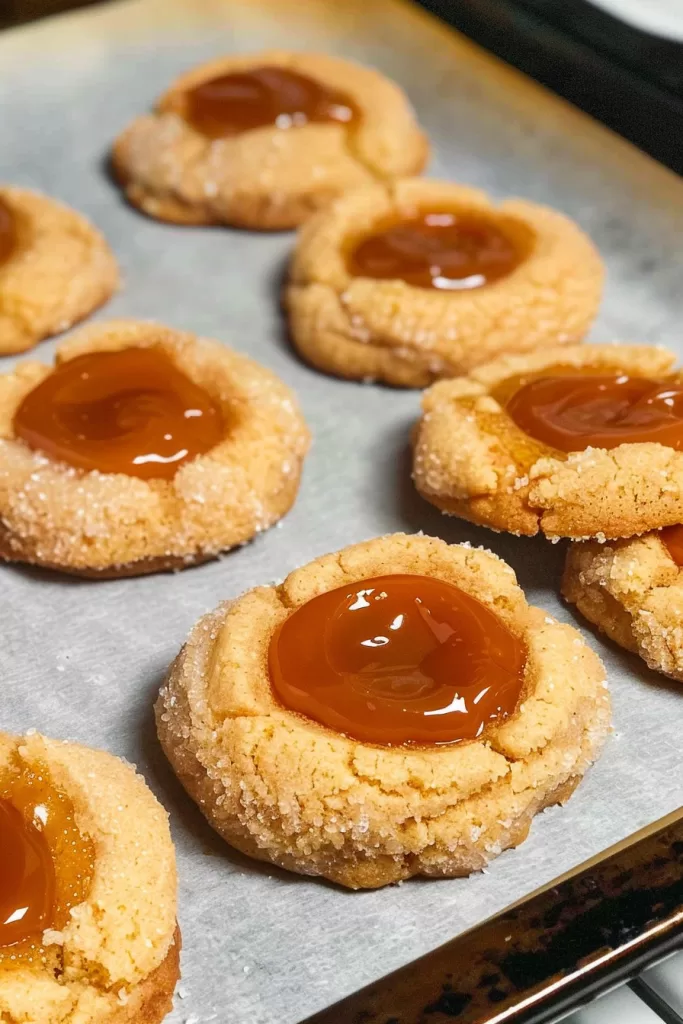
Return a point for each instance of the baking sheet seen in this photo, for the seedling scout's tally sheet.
(84, 660)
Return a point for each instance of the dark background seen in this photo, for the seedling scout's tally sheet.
(12, 12)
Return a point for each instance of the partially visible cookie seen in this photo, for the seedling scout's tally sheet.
(143, 449)
(473, 459)
(262, 140)
(305, 754)
(632, 590)
(87, 889)
(409, 281)
(55, 268)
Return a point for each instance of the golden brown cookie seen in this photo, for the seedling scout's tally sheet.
(540, 283)
(55, 268)
(239, 465)
(472, 460)
(196, 161)
(89, 932)
(282, 787)
(633, 591)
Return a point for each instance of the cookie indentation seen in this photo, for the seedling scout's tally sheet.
(243, 100)
(131, 411)
(27, 878)
(439, 249)
(400, 660)
(8, 232)
(573, 411)
(672, 538)
(46, 863)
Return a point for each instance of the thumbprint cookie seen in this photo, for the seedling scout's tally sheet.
(393, 709)
(416, 280)
(142, 449)
(55, 268)
(262, 140)
(87, 889)
(632, 590)
(580, 442)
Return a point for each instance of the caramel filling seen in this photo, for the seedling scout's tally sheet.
(398, 660)
(672, 538)
(46, 865)
(572, 409)
(277, 96)
(446, 251)
(8, 232)
(131, 411)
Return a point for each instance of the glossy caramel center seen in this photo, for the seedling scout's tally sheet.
(398, 659)
(672, 537)
(572, 410)
(27, 877)
(8, 232)
(447, 251)
(243, 100)
(131, 411)
(46, 864)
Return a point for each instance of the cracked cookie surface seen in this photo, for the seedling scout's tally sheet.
(632, 590)
(116, 961)
(471, 460)
(111, 524)
(387, 330)
(58, 270)
(267, 178)
(282, 788)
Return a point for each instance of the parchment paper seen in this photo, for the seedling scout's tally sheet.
(84, 660)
